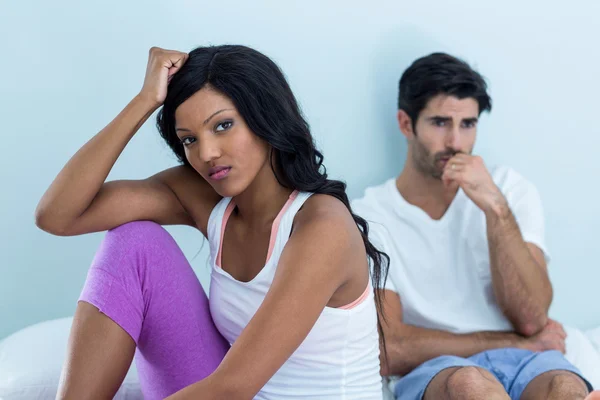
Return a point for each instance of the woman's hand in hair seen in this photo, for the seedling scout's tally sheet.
(162, 65)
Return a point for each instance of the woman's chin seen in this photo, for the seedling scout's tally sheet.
(224, 189)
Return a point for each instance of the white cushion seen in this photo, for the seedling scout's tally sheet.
(594, 335)
(31, 361)
(582, 354)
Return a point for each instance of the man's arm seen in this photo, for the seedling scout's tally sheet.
(409, 346)
(519, 275)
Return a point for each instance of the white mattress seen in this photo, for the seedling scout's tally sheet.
(31, 361)
(583, 351)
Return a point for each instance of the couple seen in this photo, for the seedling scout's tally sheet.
(304, 292)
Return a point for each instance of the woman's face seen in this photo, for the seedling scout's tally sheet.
(218, 143)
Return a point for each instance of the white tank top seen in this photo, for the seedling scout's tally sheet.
(339, 359)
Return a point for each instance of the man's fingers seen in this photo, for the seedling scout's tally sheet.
(461, 158)
(557, 327)
(454, 166)
(452, 173)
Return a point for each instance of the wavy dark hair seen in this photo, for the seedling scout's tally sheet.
(262, 96)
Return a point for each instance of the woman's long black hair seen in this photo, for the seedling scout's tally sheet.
(264, 99)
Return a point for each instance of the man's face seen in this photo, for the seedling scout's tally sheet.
(446, 126)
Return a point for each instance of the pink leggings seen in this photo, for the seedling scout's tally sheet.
(142, 281)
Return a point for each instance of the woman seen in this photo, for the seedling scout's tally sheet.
(301, 324)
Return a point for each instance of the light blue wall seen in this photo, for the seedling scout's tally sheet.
(68, 67)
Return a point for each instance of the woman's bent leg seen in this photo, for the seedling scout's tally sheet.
(140, 291)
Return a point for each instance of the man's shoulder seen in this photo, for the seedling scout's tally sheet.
(374, 201)
(508, 179)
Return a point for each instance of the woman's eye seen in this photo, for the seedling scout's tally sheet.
(186, 141)
(223, 126)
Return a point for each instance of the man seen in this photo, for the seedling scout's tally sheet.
(468, 292)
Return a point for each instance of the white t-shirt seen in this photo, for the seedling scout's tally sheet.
(441, 268)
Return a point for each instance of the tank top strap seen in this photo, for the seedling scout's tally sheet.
(215, 221)
(284, 226)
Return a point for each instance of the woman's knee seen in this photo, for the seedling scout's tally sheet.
(134, 245)
(138, 236)
(138, 231)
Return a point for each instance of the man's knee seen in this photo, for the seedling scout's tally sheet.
(557, 384)
(566, 383)
(470, 380)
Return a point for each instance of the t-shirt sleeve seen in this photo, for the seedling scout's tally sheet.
(526, 205)
(380, 238)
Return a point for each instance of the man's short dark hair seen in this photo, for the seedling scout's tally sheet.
(436, 74)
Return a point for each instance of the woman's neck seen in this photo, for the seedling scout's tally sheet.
(262, 200)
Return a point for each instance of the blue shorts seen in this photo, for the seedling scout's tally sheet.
(514, 368)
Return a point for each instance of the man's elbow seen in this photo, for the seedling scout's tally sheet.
(398, 368)
(529, 321)
(531, 326)
(404, 369)
(398, 360)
